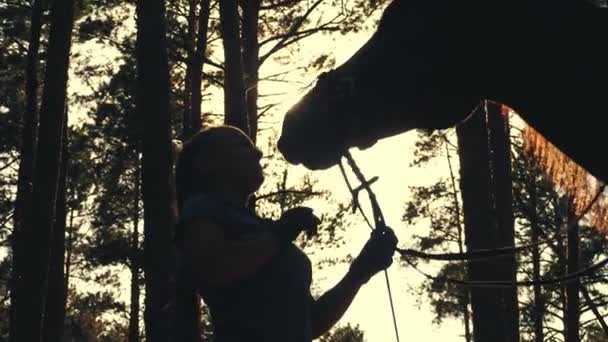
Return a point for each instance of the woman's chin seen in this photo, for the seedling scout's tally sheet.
(259, 182)
(255, 183)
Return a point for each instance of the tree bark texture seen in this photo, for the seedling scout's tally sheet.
(573, 287)
(196, 76)
(30, 308)
(251, 61)
(190, 42)
(502, 190)
(135, 261)
(538, 313)
(27, 157)
(54, 316)
(479, 231)
(235, 105)
(466, 316)
(153, 109)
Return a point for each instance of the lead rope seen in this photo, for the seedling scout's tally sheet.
(376, 211)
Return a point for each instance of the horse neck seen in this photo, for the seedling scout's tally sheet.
(565, 38)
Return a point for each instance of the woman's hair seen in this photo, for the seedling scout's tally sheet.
(203, 144)
(188, 182)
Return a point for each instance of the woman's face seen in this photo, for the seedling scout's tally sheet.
(235, 161)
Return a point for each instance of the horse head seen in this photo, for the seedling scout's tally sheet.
(430, 63)
(419, 62)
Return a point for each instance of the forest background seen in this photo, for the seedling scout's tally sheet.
(96, 95)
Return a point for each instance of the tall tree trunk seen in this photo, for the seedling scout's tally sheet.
(30, 308)
(235, 105)
(538, 312)
(560, 213)
(27, 156)
(465, 291)
(251, 61)
(187, 303)
(190, 42)
(135, 261)
(502, 189)
(54, 316)
(572, 288)
(153, 108)
(476, 200)
(196, 76)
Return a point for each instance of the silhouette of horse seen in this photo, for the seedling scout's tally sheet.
(430, 63)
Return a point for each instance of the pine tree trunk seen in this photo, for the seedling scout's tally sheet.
(190, 42)
(251, 61)
(476, 200)
(461, 247)
(153, 109)
(30, 308)
(560, 211)
(135, 261)
(502, 189)
(539, 305)
(196, 77)
(572, 288)
(55, 300)
(235, 105)
(187, 324)
(27, 156)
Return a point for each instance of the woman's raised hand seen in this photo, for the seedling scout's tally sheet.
(295, 220)
(376, 255)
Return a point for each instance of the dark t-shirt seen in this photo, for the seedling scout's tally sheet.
(271, 305)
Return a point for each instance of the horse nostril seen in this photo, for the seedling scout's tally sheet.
(286, 146)
(286, 131)
(281, 145)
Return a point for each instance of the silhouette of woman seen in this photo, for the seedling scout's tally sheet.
(255, 281)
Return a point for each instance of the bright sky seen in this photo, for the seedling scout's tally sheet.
(371, 310)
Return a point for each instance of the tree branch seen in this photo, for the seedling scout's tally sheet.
(8, 164)
(214, 64)
(213, 79)
(8, 218)
(593, 307)
(290, 32)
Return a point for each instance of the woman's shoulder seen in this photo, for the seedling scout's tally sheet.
(198, 206)
(204, 212)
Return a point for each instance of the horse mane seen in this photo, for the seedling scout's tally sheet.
(569, 178)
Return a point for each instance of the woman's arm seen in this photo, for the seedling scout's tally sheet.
(376, 255)
(215, 261)
(331, 306)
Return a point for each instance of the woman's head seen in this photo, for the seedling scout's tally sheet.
(219, 158)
